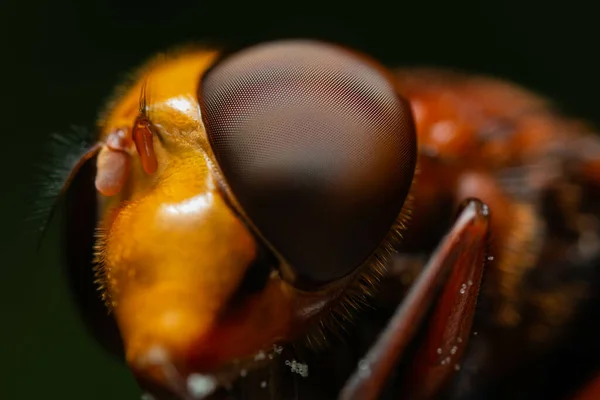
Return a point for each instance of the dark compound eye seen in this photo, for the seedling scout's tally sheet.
(316, 146)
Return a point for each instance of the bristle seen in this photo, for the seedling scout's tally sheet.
(363, 287)
(130, 79)
(61, 157)
(365, 284)
(127, 82)
(101, 277)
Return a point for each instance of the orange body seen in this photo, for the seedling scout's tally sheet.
(173, 253)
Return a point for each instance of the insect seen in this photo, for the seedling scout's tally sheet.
(237, 210)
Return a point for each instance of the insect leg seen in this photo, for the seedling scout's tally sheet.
(457, 264)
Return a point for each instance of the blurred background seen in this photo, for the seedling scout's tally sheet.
(61, 59)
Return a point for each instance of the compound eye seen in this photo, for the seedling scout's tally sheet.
(317, 148)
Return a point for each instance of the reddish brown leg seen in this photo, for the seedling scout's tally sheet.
(457, 264)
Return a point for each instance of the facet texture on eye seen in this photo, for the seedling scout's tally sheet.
(316, 146)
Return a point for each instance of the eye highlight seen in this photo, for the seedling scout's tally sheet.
(317, 148)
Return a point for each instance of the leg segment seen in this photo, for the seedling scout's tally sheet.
(457, 265)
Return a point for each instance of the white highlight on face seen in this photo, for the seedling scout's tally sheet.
(200, 386)
(182, 104)
(194, 205)
(195, 387)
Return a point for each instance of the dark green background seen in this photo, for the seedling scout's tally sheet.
(60, 60)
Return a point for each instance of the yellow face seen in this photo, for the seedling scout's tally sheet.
(196, 286)
(172, 252)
